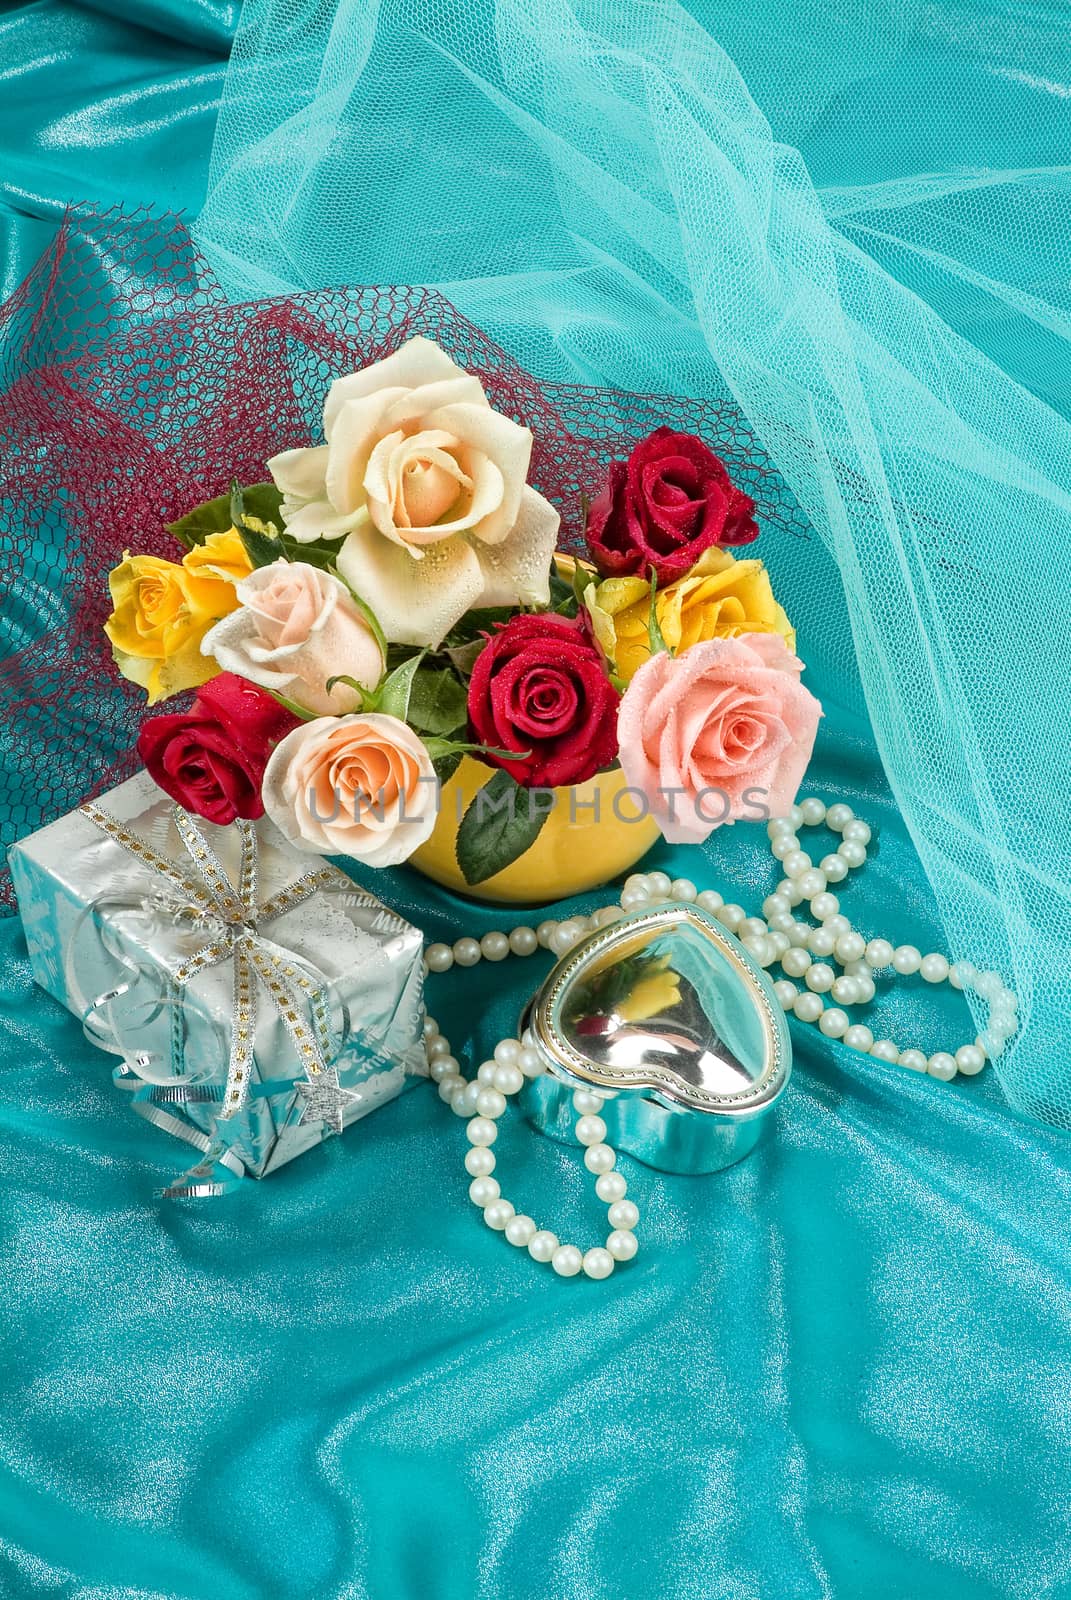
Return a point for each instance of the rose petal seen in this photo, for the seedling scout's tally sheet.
(418, 361)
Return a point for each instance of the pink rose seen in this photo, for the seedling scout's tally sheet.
(361, 786)
(211, 759)
(671, 500)
(699, 731)
(296, 627)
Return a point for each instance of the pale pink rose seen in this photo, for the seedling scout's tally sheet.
(697, 732)
(361, 786)
(296, 627)
(427, 486)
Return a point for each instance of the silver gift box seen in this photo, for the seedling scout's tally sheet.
(100, 920)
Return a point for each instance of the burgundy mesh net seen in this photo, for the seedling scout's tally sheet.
(130, 392)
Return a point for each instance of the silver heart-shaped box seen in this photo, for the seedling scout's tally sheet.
(666, 1015)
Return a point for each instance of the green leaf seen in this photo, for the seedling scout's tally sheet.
(502, 822)
(438, 702)
(655, 636)
(262, 501)
(344, 677)
(446, 765)
(393, 694)
(262, 548)
(562, 595)
(293, 707)
(583, 580)
(476, 623)
(464, 656)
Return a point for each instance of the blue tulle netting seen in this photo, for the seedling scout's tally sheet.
(846, 225)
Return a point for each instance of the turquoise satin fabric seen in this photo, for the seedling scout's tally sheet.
(841, 1369)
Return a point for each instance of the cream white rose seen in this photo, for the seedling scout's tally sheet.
(426, 484)
(296, 627)
(360, 786)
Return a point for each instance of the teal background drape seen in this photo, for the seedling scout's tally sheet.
(841, 1369)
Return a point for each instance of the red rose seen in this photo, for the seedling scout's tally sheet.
(211, 759)
(540, 685)
(671, 500)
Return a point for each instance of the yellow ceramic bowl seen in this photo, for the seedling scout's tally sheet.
(584, 842)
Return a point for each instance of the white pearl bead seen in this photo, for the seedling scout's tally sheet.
(598, 1157)
(633, 900)
(838, 816)
(591, 1130)
(709, 900)
(431, 1028)
(786, 993)
(520, 1231)
(788, 888)
(440, 957)
(751, 927)
(786, 844)
(820, 977)
(778, 825)
(797, 863)
(565, 936)
(989, 985)
(906, 960)
(850, 946)
(479, 1161)
(637, 883)
(795, 816)
(782, 921)
(884, 1050)
(969, 1060)
(467, 952)
(991, 1042)
(933, 968)
(835, 868)
(913, 1060)
(598, 1263)
(497, 1214)
(449, 1086)
(623, 1214)
(846, 991)
(834, 1023)
(824, 905)
(779, 943)
(545, 933)
(837, 925)
(483, 1190)
(961, 975)
(812, 886)
(879, 953)
(490, 1103)
(858, 1037)
(859, 831)
(436, 1046)
(443, 1067)
(485, 1073)
(508, 1080)
(852, 852)
(808, 1007)
(530, 1062)
(865, 990)
(775, 905)
(813, 812)
(660, 883)
(795, 962)
(610, 1186)
(464, 1102)
(542, 1245)
(821, 942)
(622, 1244)
(567, 1261)
(481, 1130)
(942, 1065)
(523, 941)
(608, 915)
(683, 889)
(507, 1052)
(495, 946)
(586, 1103)
(730, 916)
(760, 950)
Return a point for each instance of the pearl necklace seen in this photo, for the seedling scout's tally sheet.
(802, 950)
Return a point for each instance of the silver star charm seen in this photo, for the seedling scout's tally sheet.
(324, 1099)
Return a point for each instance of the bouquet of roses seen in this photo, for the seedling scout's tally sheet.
(391, 601)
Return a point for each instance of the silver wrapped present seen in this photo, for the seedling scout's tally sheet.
(257, 999)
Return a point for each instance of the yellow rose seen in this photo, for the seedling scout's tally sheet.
(222, 555)
(719, 598)
(162, 612)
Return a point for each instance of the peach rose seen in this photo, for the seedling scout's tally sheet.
(295, 628)
(360, 786)
(427, 486)
(716, 733)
